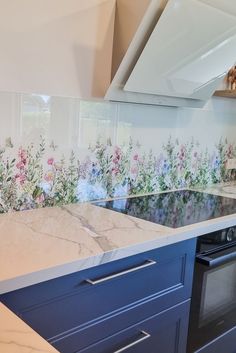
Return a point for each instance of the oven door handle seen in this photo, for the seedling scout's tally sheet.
(224, 256)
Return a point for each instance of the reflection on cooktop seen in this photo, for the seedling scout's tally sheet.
(174, 209)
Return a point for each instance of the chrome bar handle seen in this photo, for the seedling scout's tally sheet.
(107, 278)
(145, 337)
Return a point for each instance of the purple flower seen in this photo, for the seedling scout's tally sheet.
(50, 161)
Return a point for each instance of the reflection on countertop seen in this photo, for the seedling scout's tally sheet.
(174, 209)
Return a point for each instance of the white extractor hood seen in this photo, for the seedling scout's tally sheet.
(179, 54)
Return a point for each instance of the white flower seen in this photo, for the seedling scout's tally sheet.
(87, 191)
(121, 190)
(45, 186)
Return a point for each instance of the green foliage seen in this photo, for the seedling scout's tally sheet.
(33, 178)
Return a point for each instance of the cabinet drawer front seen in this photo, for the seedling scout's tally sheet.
(76, 341)
(164, 333)
(95, 293)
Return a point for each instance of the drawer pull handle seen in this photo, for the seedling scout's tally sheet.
(107, 278)
(145, 336)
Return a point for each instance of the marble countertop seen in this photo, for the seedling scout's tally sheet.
(42, 244)
(17, 337)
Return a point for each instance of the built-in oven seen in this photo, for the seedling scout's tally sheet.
(213, 305)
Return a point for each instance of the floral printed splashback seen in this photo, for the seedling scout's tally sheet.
(66, 151)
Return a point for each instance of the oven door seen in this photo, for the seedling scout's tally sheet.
(213, 305)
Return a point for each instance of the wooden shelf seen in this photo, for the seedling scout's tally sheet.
(226, 93)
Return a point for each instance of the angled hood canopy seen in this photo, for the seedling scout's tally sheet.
(181, 51)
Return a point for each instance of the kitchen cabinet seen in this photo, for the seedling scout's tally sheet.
(165, 332)
(111, 305)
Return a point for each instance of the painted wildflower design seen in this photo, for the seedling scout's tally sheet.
(34, 178)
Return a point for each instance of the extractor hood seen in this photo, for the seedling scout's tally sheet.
(179, 54)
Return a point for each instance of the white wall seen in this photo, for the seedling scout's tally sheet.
(56, 47)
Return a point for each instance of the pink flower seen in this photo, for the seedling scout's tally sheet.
(23, 159)
(50, 161)
(117, 152)
(21, 178)
(135, 157)
(117, 149)
(115, 171)
(22, 153)
(115, 160)
(20, 165)
(49, 177)
(40, 199)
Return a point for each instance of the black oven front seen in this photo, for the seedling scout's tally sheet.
(213, 305)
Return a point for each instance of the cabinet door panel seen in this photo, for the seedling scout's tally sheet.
(162, 333)
(75, 340)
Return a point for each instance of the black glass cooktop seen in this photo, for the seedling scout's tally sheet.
(174, 209)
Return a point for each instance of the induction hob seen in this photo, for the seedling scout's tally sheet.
(174, 209)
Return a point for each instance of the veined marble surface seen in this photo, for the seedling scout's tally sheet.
(17, 337)
(42, 244)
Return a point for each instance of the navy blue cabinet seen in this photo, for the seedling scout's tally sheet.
(161, 333)
(165, 332)
(76, 311)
